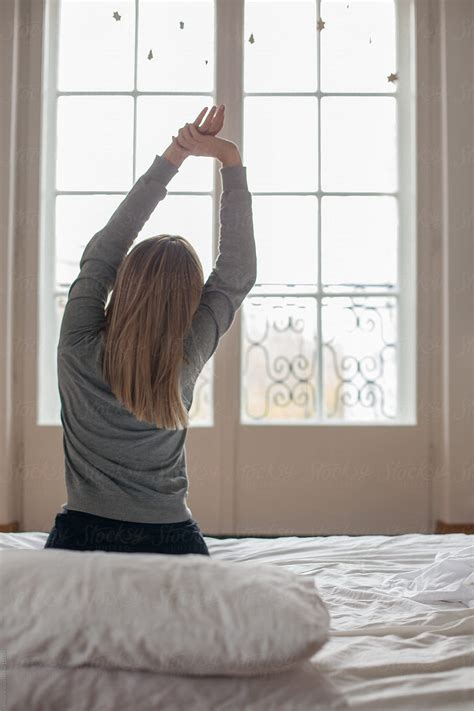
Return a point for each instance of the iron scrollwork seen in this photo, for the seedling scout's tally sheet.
(290, 376)
(361, 378)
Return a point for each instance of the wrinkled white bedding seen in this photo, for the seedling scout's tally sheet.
(389, 649)
(449, 579)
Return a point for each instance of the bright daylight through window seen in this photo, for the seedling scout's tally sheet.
(327, 334)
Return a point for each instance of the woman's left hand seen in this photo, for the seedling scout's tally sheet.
(214, 120)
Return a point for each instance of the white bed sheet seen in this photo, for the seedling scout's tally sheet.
(386, 651)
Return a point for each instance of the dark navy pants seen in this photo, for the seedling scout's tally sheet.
(76, 530)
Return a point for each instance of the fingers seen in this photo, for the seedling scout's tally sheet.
(191, 134)
(199, 117)
(188, 134)
(207, 123)
(213, 122)
(194, 134)
(185, 138)
(179, 145)
(218, 119)
(182, 140)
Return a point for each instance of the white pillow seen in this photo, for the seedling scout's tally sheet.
(165, 613)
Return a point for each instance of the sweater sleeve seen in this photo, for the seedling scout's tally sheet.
(84, 314)
(234, 271)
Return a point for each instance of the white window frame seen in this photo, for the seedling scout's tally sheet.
(229, 28)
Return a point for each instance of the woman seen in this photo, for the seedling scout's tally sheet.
(127, 366)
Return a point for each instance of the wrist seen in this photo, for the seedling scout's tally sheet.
(230, 157)
(174, 155)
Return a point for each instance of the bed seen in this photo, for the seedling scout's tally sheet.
(390, 647)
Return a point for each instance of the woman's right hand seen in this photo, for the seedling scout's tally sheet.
(200, 139)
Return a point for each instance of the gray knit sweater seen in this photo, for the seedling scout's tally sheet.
(115, 465)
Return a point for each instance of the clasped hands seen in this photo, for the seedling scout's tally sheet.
(200, 139)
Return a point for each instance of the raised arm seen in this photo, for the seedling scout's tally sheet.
(234, 271)
(109, 246)
(87, 296)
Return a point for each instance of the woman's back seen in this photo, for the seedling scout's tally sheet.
(116, 466)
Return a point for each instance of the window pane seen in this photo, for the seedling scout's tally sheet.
(60, 301)
(279, 353)
(160, 118)
(94, 143)
(179, 54)
(189, 216)
(359, 358)
(359, 242)
(78, 218)
(358, 136)
(96, 52)
(283, 55)
(280, 143)
(358, 45)
(286, 237)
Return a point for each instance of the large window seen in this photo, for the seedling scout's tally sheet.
(328, 333)
(325, 335)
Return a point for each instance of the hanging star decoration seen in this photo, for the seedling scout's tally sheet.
(181, 25)
(150, 54)
(116, 16)
(320, 25)
(251, 39)
(392, 77)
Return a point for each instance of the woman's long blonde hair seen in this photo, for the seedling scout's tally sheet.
(156, 293)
